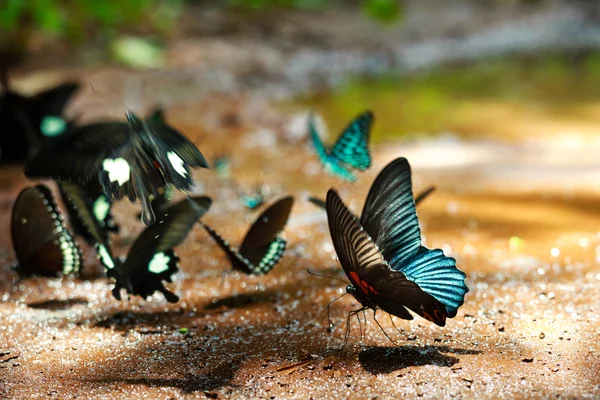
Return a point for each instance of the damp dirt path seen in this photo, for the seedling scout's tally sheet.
(522, 226)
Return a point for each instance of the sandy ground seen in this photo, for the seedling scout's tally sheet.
(528, 329)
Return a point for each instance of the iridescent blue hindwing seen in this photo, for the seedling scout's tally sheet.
(438, 276)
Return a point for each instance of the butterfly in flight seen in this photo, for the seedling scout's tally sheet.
(94, 198)
(350, 151)
(382, 254)
(151, 259)
(139, 159)
(419, 198)
(262, 247)
(42, 243)
(26, 123)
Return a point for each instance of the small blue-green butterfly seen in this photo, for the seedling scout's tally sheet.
(350, 151)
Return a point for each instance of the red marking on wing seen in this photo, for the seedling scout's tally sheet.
(363, 285)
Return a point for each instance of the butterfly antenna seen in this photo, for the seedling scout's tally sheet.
(325, 276)
(424, 194)
(382, 330)
(330, 327)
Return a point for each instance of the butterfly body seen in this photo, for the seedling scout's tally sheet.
(262, 247)
(137, 159)
(383, 257)
(351, 150)
(42, 243)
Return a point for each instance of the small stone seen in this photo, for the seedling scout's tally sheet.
(527, 360)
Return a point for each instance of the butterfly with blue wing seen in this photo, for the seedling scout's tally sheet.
(27, 123)
(139, 159)
(262, 247)
(350, 151)
(43, 244)
(383, 257)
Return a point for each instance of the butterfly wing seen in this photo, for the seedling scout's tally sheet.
(262, 246)
(376, 284)
(316, 140)
(438, 276)
(352, 147)
(46, 109)
(389, 215)
(42, 243)
(151, 259)
(79, 154)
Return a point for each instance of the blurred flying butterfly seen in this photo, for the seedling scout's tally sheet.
(222, 166)
(42, 243)
(151, 259)
(93, 197)
(138, 159)
(254, 200)
(262, 247)
(419, 198)
(26, 123)
(350, 151)
(383, 257)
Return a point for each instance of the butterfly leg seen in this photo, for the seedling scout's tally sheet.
(331, 326)
(394, 325)
(347, 334)
(380, 327)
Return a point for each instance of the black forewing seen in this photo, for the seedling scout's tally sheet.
(42, 243)
(389, 215)
(265, 229)
(79, 154)
(53, 101)
(375, 282)
(176, 141)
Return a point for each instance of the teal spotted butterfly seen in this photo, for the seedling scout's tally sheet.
(262, 247)
(382, 254)
(27, 123)
(351, 151)
(151, 259)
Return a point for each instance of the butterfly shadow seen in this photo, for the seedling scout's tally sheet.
(55, 305)
(244, 299)
(212, 377)
(383, 360)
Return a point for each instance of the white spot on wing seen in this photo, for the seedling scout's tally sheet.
(105, 257)
(159, 263)
(177, 163)
(118, 169)
(101, 207)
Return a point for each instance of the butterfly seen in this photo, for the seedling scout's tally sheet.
(256, 199)
(351, 150)
(262, 247)
(383, 257)
(138, 159)
(151, 259)
(42, 243)
(94, 198)
(26, 123)
(419, 198)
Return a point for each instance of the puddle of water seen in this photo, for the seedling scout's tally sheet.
(511, 99)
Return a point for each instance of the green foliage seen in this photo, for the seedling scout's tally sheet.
(78, 19)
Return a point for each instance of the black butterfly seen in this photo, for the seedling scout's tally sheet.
(419, 198)
(94, 198)
(262, 247)
(138, 159)
(151, 259)
(42, 243)
(383, 257)
(26, 123)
